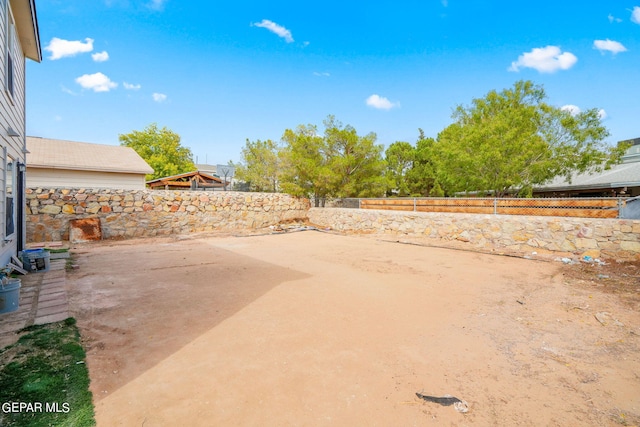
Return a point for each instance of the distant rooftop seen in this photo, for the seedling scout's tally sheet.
(60, 154)
(625, 174)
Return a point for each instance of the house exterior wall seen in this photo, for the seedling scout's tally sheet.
(12, 115)
(48, 177)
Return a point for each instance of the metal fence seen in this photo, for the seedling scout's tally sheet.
(607, 207)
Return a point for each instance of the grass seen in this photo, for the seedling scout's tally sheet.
(46, 368)
(57, 251)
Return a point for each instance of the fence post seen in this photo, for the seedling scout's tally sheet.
(359, 207)
(619, 207)
(495, 206)
(414, 204)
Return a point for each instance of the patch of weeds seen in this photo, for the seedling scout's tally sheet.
(45, 371)
(57, 251)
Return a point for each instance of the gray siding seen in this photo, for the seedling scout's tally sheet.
(12, 115)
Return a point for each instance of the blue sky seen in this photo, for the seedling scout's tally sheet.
(218, 73)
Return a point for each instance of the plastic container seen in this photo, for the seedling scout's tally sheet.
(36, 260)
(10, 296)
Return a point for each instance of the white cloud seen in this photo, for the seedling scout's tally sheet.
(380, 102)
(67, 90)
(100, 56)
(156, 4)
(609, 46)
(324, 74)
(159, 97)
(60, 48)
(130, 86)
(602, 114)
(572, 109)
(635, 15)
(547, 59)
(97, 82)
(279, 30)
(613, 19)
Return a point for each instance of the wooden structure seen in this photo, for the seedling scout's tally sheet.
(195, 180)
(575, 207)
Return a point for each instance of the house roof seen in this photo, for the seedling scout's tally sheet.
(622, 175)
(625, 174)
(59, 154)
(203, 167)
(24, 13)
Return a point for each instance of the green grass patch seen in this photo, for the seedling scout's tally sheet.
(44, 379)
(57, 251)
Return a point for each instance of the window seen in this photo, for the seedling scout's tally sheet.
(9, 192)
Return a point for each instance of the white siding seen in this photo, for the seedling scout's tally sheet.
(65, 178)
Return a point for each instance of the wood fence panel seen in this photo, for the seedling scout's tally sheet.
(568, 212)
(456, 209)
(586, 208)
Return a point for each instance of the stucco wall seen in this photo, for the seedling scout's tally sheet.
(65, 178)
(146, 213)
(612, 238)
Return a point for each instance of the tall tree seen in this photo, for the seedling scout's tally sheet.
(422, 177)
(400, 157)
(355, 161)
(305, 172)
(338, 164)
(512, 140)
(161, 149)
(260, 166)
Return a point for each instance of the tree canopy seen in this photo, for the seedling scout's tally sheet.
(506, 142)
(161, 149)
(512, 140)
(260, 166)
(340, 163)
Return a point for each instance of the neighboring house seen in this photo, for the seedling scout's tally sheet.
(620, 180)
(232, 183)
(57, 163)
(20, 40)
(195, 180)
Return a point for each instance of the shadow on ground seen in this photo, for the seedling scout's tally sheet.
(137, 304)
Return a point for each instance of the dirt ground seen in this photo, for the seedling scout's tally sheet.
(317, 329)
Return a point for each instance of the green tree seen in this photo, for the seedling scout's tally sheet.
(304, 164)
(355, 161)
(400, 157)
(513, 140)
(260, 166)
(339, 163)
(422, 177)
(161, 149)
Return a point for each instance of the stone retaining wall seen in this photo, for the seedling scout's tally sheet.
(611, 238)
(146, 213)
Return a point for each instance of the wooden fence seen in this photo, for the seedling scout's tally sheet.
(573, 207)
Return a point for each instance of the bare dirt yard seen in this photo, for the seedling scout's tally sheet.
(318, 329)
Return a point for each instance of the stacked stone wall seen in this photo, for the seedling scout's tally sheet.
(609, 238)
(147, 213)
